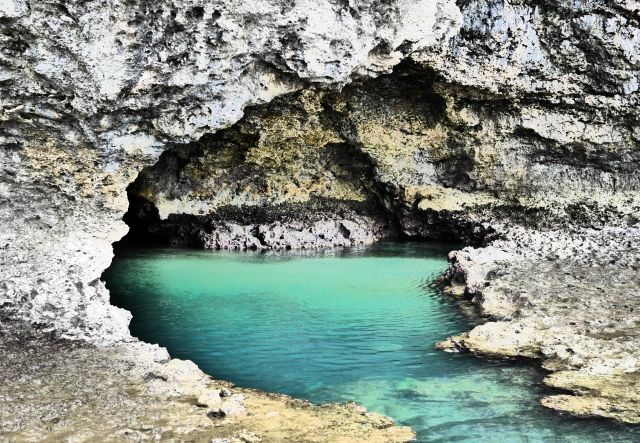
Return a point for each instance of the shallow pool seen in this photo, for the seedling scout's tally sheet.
(340, 325)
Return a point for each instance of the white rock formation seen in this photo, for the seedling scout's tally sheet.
(92, 91)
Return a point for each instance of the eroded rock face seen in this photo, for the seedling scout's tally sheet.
(564, 296)
(437, 160)
(131, 392)
(527, 141)
(505, 117)
(94, 91)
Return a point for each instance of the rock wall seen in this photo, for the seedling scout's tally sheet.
(547, 100)
(430, 158)
(519, 136)
(475, 120)
(92, 91)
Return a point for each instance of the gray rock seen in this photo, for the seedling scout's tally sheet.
(509, 121)
(573, 312)
(94, 91)
(321, 234)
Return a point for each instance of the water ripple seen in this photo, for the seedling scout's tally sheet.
(340, 326)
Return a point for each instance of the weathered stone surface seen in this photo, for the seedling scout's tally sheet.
(613, 396)
(92, 91)
(282, 177)
(321, 234)
(510, 121)
(61, 391)
(564, 297)
(440, 159)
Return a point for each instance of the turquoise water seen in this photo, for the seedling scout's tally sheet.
(336, 326)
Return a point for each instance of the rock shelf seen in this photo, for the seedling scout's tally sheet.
(567, 298)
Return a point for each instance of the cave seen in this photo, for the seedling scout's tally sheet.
(274, 215)
(480, 157)
(312, 156)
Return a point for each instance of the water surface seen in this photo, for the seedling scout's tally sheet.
(336, 326)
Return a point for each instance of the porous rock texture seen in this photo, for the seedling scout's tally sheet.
(520, 136)
(512, 121)
(134, 392)
(566, 297)
(93, 91)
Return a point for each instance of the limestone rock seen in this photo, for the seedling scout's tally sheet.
(509, 122)
(562, 297)
(74, 391)
(93, 91)
(277, 236)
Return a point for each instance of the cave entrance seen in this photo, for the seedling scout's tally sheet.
(293, 313)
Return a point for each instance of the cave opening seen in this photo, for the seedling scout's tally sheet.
(335, 325)
(347, 165)
(309, 286)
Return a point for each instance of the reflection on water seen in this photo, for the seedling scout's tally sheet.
(340, 325)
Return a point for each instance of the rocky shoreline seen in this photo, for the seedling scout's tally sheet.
(321, 234)
(559, 296)
(566, 297)
(317, 224)
(72, 391)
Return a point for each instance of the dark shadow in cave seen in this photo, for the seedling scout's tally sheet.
(222, 162)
